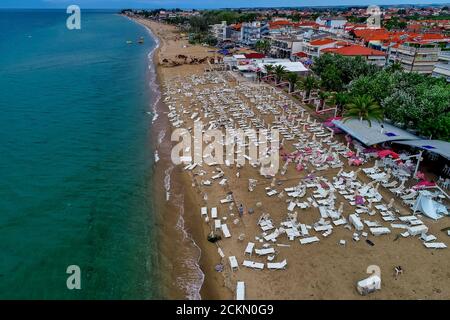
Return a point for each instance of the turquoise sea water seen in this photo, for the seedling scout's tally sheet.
(75, 157)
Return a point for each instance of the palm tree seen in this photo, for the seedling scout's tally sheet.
(323, 96)
(364, 107)
(263, 46)
(292, 78)
(339, 99)
(308, 84)
(269, 69)
(279, 71)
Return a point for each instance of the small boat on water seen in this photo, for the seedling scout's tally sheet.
(129, 42)
(141, 40)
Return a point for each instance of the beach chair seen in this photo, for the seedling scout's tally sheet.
(258, 265)
(214, 213)
(398, 190)
(240, 290)
(309, 240)
(225, 231)
(247, 263)
(262, 252)
(277, 265)
(217, 224)
(233, 263)
(204, 211)
(249, 249)
(220, 251)
(391, 184)
(409, 196)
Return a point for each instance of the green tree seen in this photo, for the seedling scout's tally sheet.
(279, 72)
(269, 69)
(395, 67)
(324, 96)
(263, 46)
(364, 108)
(308, 84)
(293, 79)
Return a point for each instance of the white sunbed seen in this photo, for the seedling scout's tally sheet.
(214, 213)
(291, 206)
(354, 219)
(292, 233)
(339, 222)
(233, 263)
(304, 229)
(240, 290)
(389, 218)
(262, 252)
(369, 171)
(379, 231)
(323, 228)
(217, 224)
(204, 211)
(277, 265)
(225, 231)
(428, 237)
(267, 226)
(249, 248)
(419, 229)
(253, 265)
(377, 176)
(220, 251)
(435, 245)
(309, 240)
(272, 237)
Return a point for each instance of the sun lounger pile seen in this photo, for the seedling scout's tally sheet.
(226, 106)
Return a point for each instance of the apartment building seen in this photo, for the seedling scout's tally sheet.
(442, 67)
(284, 46)
(252, 32)
(313, 48)
(415, 56)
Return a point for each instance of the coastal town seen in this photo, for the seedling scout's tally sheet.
(359, 100)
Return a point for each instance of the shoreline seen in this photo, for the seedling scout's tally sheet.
(318, 271)
(193, 229)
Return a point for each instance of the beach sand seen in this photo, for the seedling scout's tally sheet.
(323, 270)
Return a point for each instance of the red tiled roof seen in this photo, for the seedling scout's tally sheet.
(300, 54)
(237, 26)
(432, 36)
(306, 24)
(279, 23)
(254, 55)
(356, 50)
(321, 42)
(328, 50)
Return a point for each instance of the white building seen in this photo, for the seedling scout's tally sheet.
(332, 24)
(252, 32)
(442, 67)
(415, 56)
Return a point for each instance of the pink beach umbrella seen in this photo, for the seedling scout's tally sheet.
(424, 183)
(359, 200)
(387, 152)
(420, 175)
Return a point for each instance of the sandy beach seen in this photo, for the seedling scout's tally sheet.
(323, 270)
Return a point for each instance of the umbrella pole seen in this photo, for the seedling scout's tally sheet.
(419, 158)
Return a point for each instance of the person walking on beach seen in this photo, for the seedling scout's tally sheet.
(241, 210)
